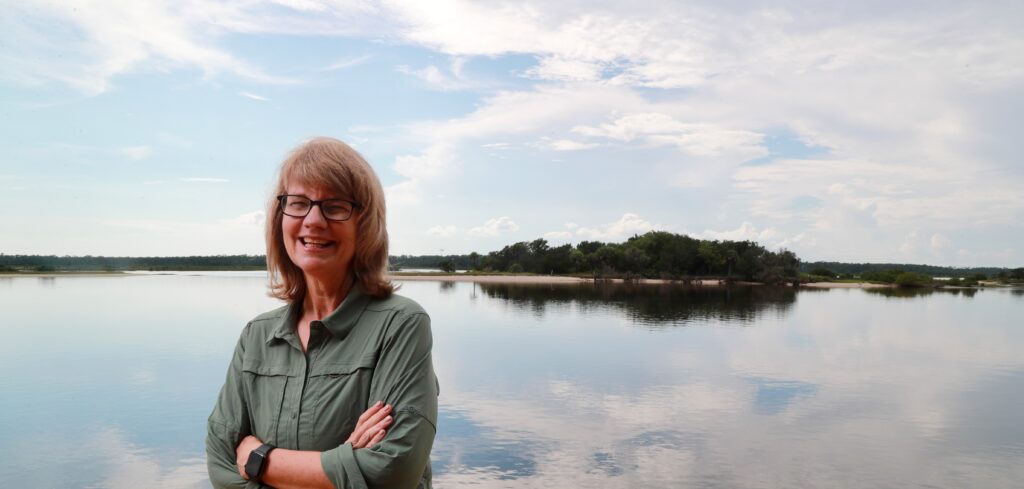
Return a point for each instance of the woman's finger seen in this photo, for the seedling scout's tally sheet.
(362, 424)
(374, 431)
(376, 439)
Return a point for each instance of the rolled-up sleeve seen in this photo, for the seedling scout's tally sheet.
(227, 425)
(404, 377)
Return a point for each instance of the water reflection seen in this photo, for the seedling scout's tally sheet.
(651, 305)
(550, 386)
(908, 293)
(445, 286)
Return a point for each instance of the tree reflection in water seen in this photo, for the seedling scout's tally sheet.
(909, 293)
(654, 306)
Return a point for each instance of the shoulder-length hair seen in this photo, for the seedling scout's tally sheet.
(331, 165)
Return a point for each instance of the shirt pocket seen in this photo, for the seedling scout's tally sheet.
(265, 385)
(341, 392)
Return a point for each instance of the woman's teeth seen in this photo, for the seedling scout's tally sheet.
(320, 243)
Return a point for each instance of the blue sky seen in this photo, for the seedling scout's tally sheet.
(856, 133)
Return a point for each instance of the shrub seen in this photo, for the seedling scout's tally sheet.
(911, 279)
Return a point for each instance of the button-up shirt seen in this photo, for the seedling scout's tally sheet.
(367, 350)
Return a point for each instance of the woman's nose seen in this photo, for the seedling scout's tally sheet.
(315, 217)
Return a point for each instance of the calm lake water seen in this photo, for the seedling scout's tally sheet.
(107, 382)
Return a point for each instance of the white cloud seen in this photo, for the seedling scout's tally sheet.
(940, 244)
(746, 231)
(346, 63)
(438, 79)
(699, 139)
(254, 96)
(494, 227)
(564, 144)
(442, 231)
(204, 180)
(254, 218)
(85, 47)
(136, 152)
(558, 235)
(628, 225)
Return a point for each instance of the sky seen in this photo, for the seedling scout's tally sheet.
(848, 131)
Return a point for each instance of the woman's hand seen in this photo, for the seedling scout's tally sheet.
(242, 451)
(372, 425)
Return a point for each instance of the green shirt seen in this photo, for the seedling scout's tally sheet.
(366, 350)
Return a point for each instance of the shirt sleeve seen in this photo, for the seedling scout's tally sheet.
(227, 425)
(404, 377)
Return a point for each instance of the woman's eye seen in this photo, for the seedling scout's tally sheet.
(298, 205)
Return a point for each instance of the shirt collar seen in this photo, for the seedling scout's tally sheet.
(339, 323)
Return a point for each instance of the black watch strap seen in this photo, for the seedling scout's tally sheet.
(257, 462)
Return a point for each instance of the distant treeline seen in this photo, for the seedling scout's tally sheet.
(656, 254)
(859, 269)
(52, 263)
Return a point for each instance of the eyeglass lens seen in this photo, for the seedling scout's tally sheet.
(334, 209)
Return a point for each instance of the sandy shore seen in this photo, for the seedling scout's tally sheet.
(845, 285)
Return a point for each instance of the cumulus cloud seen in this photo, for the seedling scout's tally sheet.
(628, 225)
(494, 227)
(254, 218)
(699, 139)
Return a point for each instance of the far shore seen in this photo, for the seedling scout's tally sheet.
(559, 279)
(491, 279)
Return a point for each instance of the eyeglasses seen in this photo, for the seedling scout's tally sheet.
(331, 209)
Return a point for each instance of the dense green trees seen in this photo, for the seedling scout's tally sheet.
(657, 254)
(855, 269)
(50, 263)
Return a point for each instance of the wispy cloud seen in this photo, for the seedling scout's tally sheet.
(346, 63)
(253, 96)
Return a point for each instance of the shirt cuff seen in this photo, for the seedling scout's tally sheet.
(340, 464)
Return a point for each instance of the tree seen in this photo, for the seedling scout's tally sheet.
(447, 266)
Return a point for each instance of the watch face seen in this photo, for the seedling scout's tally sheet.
(254, 465)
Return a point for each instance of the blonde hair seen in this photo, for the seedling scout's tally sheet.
(333, 165)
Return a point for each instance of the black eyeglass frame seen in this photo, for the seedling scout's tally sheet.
(282, 199)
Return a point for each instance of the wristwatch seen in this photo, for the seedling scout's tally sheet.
(257, 462)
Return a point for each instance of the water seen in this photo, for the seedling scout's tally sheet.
(107, 382)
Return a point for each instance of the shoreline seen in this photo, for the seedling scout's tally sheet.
(480, 278)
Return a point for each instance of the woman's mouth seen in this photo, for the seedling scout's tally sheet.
(315, 244)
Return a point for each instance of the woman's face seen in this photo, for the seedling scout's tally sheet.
(316, 245)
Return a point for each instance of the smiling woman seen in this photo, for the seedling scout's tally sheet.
(337, 388)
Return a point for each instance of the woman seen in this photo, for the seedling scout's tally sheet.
(337, 388)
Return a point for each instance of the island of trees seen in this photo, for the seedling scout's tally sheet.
(656, 254)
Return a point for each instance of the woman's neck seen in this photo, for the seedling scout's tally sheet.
(324, 296)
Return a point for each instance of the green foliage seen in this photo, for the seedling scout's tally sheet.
(823, 272)
(447, 266)
(51, 263)
(1017, 274)
(657, 254)
(912, 279)
(930, 270)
